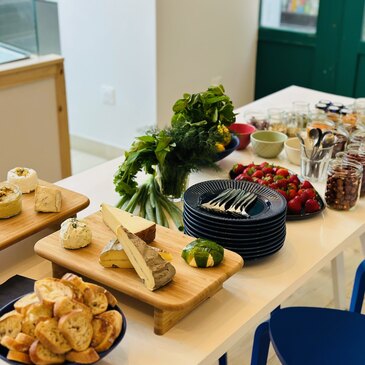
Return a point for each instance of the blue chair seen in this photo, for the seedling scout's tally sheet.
(315, 336)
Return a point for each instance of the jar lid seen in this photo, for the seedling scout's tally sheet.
(333, 109)
(321, 106)
(325, 101)
(345, 111)
(339, 105)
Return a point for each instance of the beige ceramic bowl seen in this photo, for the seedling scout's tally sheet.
(292, 149)
(268, 144)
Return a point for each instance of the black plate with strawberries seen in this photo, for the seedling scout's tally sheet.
(303, 201)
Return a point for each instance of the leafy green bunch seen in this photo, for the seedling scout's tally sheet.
(189, 144)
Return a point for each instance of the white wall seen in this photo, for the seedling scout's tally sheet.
(109, 42)
(191, 44)
(203, 42)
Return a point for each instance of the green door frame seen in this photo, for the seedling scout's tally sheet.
(336, 48)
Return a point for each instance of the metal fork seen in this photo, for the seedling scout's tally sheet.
(219, 202)
(242, 202)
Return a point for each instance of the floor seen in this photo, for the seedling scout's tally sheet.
(316, 292)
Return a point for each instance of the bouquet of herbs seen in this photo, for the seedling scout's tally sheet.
(199, 128)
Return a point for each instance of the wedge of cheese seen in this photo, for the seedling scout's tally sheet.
(113, 255)
(114, 217)
(154, 271)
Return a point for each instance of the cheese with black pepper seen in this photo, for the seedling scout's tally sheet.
(10, 200)
(75, 234)
(47, 199)
(26, 179)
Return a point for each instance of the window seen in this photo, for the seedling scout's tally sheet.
(296, 15)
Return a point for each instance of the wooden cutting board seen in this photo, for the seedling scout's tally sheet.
(29, 221)
(189, 287)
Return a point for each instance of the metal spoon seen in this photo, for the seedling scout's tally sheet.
(315, 134)
(302, 143)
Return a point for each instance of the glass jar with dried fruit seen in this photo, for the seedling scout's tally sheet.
(343, 184)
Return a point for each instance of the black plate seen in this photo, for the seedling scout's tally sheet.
(237, 236)
(303, 215)
(248, 228)
(10, 306)
(237, 245)
(255, 254)
(268, 205)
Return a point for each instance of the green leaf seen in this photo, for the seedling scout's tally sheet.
(150, 139)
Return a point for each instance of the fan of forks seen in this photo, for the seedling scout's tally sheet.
(231, 201)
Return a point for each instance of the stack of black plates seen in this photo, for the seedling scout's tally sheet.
(260, 235)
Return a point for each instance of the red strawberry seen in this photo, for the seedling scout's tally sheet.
(311, 206)
(283, 183)
(238, 168)
(269, 179)
(262, 182)
(294, 179)
(264, 164)
(249, 170)
(267, 170)
(243, 177)
(282, 172)
(295, 205)
(303, 195)
(273, 186)
(259, 174)
(283, 193)
(292, 186)
(292, 194)
(306, 185)
(311, 193)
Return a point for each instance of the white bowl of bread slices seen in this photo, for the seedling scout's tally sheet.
(64, 320)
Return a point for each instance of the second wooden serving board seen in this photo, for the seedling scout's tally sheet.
(189, 287)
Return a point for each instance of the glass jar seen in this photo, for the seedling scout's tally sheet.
(320, 121)
(343, 184)
(333, 113)
(342, 138)
(359, 157)
(348, 119)
(300, 114)
(358, 137)
(277, 120)
(257, 118)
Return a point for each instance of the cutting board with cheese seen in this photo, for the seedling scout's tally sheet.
(189, 287)
(28, 221)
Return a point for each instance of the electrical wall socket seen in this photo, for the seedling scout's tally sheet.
(108, 94)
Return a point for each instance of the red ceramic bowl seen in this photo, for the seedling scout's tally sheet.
(243, 132)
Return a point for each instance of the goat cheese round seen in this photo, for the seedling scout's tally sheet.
(26, 179)
(75, 234)
(10, 200)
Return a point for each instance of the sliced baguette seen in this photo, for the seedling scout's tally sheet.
(25, 339)
(66, 305)
(40, 355)
(35, 313)
(96, 300)
(74, 280)
(51, 337)
(112, 301)
(23, 303)
(102, 334)
(10, 324)
(83, 357)
(115, 319)
(50, 289)
(12, 344)
(18, 356)
(77, 329)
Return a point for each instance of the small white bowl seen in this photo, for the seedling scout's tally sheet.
(292, 149)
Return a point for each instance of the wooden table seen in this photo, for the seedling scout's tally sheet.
(28, 222)
(250, 295)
